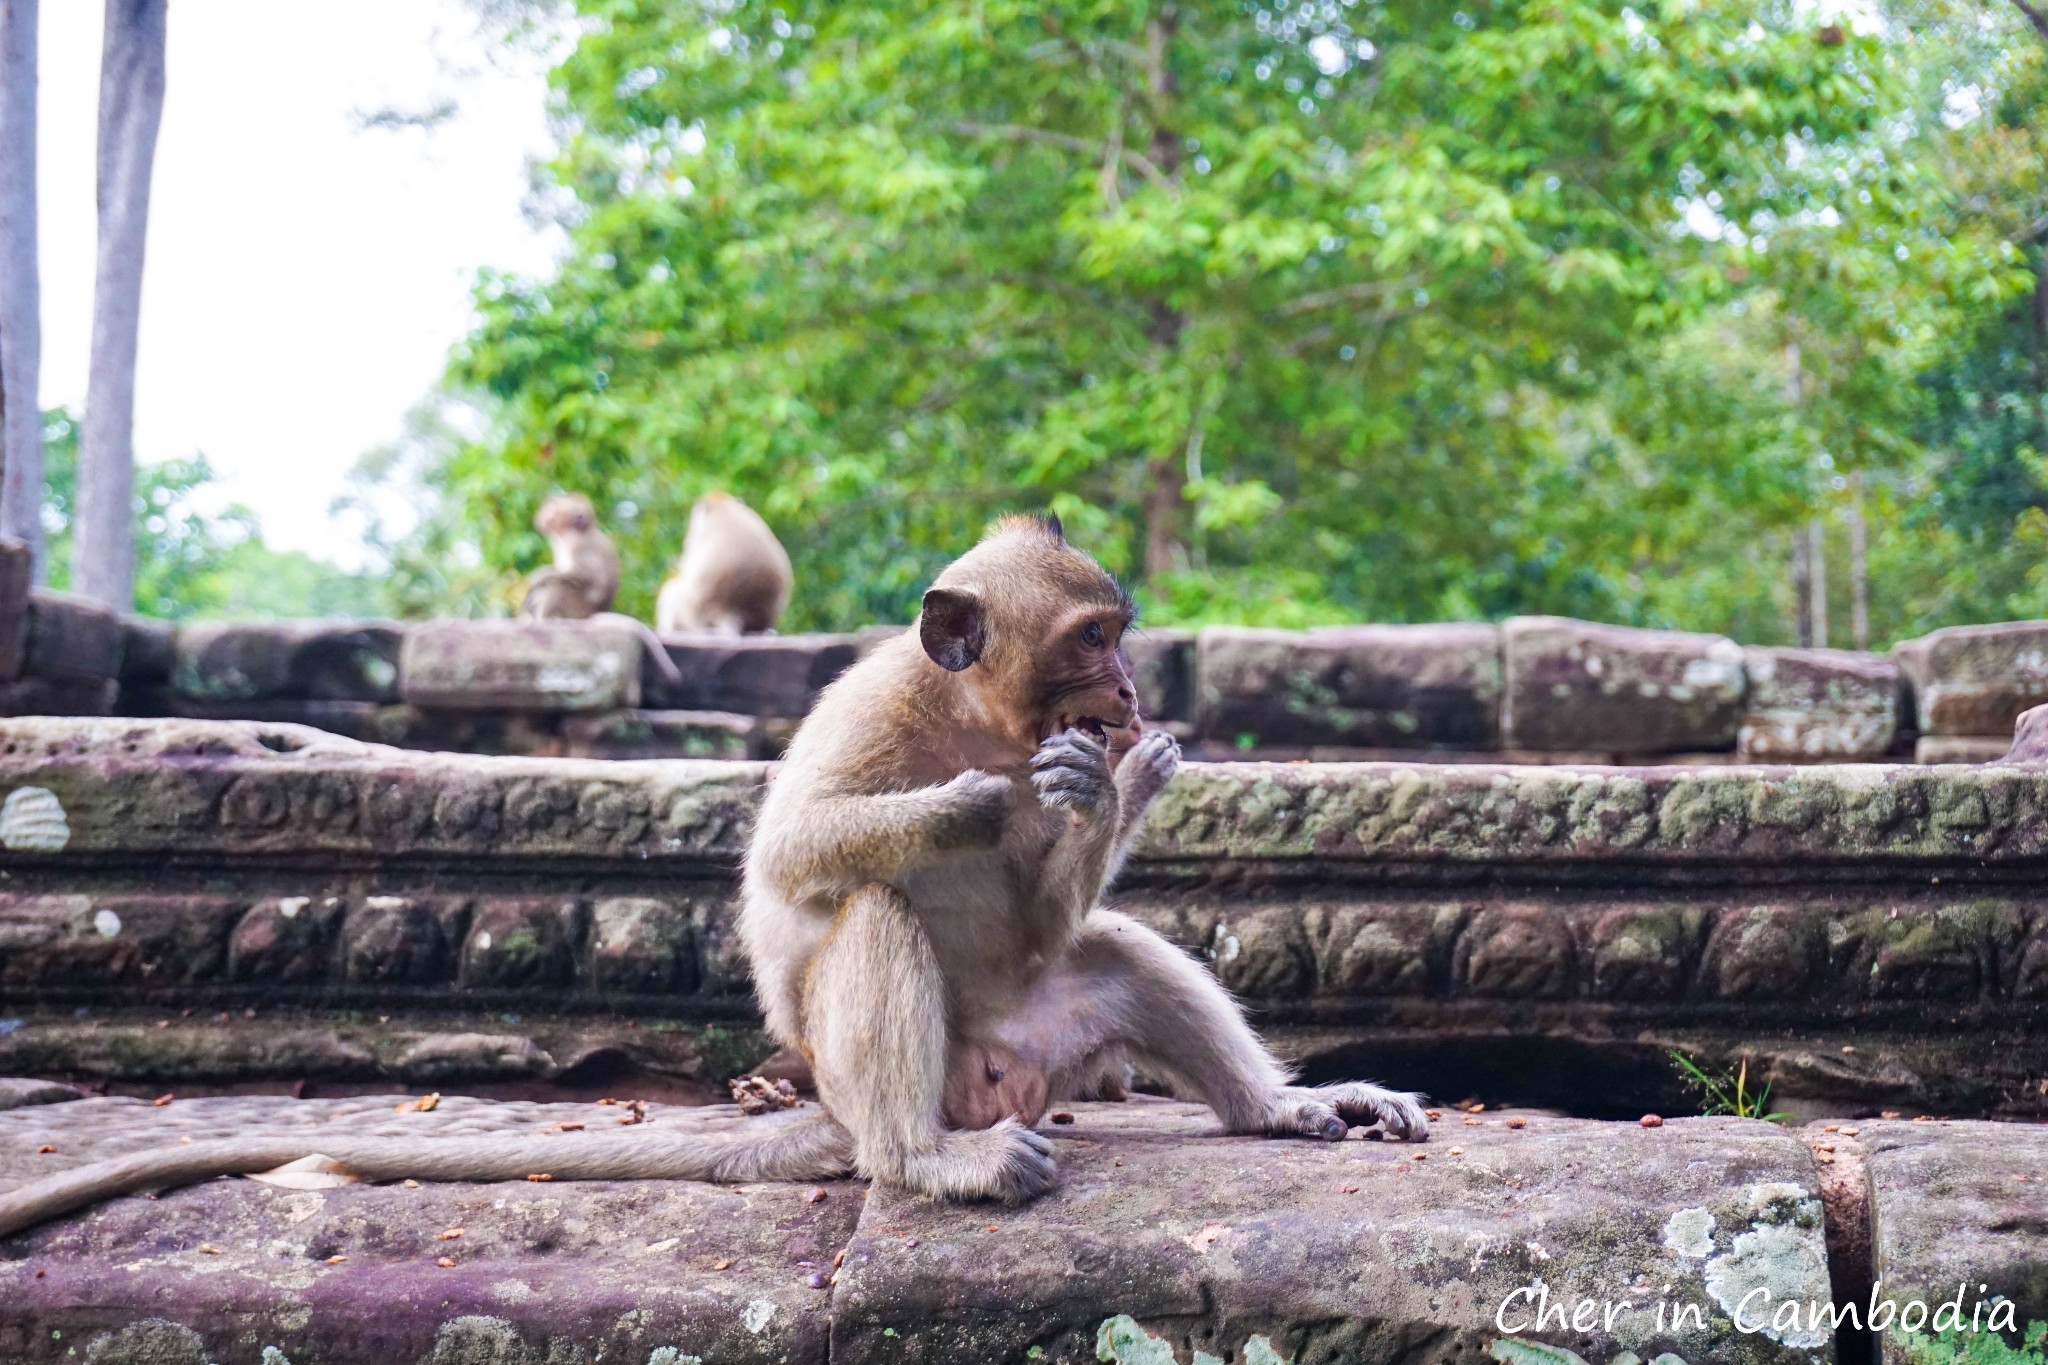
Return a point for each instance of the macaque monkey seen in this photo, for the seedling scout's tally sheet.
(583, 580)
(922, 912)
(733, 576)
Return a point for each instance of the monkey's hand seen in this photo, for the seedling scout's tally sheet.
(1071, 772)
(1146, 769)
(1331, 1111)
(973, 809)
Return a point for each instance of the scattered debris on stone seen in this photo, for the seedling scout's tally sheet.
(1651, 1120)
(1201, 1241)
(1061, 1116)
(425, 1104)
(46, 1147)
(1518, 1123)
(446, 1262)
(161, 1100)
(637, 1112)
(722, 1264)
(336, 1260)
(816, 1196)
(448, 1234)
(759, 1095)
(1433, 1114)
(570, 1127)
(540, 1177)
(209, 1248)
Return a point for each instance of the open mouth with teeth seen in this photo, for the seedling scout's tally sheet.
(1118, 735)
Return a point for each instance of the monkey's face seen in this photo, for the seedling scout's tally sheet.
(565, 513)
(1035, 628)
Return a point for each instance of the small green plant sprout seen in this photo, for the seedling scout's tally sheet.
(1962, 1347)
(1729, 1092)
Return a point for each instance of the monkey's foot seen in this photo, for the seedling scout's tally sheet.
(1071, 772)
(1007, 1162)
(1331, 1111)
(1147, 767)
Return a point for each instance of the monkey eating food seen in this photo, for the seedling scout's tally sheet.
(733, 576)
(922, 912)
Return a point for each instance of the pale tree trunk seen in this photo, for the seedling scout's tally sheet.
(1817, 579)
(21, 339)
(131, 105)
(1859, 571)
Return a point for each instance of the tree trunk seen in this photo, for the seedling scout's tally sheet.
(1802, 589)
(1859, 571)
(21, 339)
(1165, 502)
(1817, 577)
(131, 106)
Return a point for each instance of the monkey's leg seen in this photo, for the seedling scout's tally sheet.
(809, 1148)
(1124, 986)
(875, 1015)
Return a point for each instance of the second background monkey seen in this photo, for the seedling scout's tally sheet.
(733, 576)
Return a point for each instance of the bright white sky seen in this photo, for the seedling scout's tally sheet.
(305, 278)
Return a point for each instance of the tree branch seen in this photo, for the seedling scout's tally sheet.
(2035, 16)
(1015, 132)
(1363, 292)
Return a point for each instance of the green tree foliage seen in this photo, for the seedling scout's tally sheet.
(1296, 312)
(194, 556)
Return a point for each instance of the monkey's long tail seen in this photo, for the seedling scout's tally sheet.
(814, 1147)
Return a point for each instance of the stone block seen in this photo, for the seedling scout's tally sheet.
(1163, 664)
(400, 940)
(556, 1273)
(1975, 680)
(1367, 686)
(662, 734)
(1819, 706)
(71, 638)
(755, 675)
(285, 939)
(149, 650)
(641, 946)
(521, 941)
(1166, 1242)
(1956, 1205)
(347, 661)
(522, 665)
(17, 576)
(1960, 749)
(1580, 685)
(147, 943)
(36, 696)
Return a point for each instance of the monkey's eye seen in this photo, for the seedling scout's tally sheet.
(1091, 635)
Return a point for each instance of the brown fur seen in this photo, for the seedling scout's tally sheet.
(922, 916)
(733, 577)
(584, 578)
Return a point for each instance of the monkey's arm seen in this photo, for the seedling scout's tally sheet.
(812, 1147)
(1143, 774)
(840, 843)
(1071, 771)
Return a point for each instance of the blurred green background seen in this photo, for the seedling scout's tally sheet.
(1296, 313)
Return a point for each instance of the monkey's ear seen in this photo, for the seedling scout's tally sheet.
(951, 628)
(1051, 522)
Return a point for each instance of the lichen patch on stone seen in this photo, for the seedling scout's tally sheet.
(756, 1316)
(32, 819)
(1690, 1232)
(1785, 1262)
(1121, 1341)
(1510, 1352)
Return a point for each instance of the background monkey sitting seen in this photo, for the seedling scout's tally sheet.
(733, 576)
(584, 578)
(922, 897)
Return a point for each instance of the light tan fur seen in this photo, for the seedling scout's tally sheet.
(733, 577)
(922, 914)
(584, 578)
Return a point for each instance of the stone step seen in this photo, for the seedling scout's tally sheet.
(1868, 936)
(1162, 1241)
